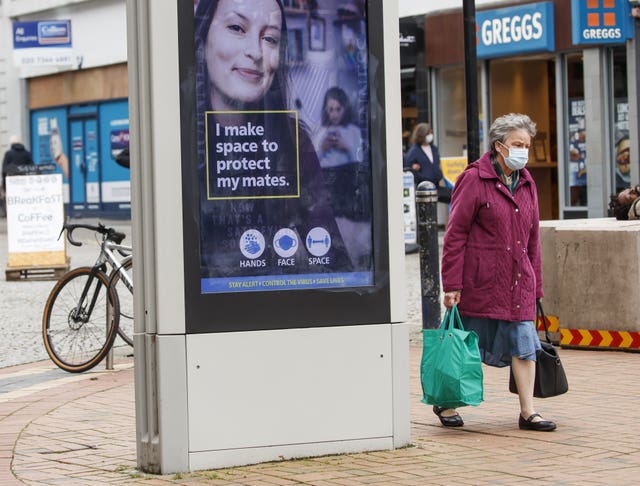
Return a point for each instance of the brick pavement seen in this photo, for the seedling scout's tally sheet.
(80, 430)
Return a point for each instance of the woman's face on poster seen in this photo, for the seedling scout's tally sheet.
(243, 50)
(335, 111)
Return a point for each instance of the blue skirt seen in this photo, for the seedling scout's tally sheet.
(500, 340)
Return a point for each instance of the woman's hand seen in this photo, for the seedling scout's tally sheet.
(451, 298)
(330, 141)
(415, 167)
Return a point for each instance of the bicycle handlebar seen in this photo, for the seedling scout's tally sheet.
(110, 233)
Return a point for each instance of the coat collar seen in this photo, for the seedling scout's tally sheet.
(486, 171)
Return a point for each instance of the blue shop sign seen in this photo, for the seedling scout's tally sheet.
(49, 33)
(601, 21)
(515, 30)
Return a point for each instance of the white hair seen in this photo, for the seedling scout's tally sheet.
(14, 139)
(505, 124)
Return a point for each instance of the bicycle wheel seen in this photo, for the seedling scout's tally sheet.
(125, 298)
(78, 335)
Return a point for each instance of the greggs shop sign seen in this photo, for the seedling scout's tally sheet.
(601, 21)
(515, 30)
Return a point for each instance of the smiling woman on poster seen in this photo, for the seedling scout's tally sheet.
(264, 208)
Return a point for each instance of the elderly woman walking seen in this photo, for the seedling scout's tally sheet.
(491, 266)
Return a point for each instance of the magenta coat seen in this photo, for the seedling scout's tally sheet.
(492, 245)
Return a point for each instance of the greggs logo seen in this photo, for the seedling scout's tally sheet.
(601, 20)
(514, 30)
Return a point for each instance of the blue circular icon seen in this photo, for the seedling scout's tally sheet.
(318, 241)
(252, 243)
(285, 242)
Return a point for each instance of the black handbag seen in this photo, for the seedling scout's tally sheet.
(551, 379)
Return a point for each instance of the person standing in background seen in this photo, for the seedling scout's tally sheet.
(15, 156)
(423, 158)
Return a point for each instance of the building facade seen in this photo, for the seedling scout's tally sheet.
(569, 64)
(63, 90)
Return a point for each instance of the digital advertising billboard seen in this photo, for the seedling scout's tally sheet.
(279, 170)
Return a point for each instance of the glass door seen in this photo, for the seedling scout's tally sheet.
(621, 166)
(575, 170)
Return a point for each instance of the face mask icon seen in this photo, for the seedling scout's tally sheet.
(285, 242)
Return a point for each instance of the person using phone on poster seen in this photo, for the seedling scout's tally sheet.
(240, 82)
(339, 146)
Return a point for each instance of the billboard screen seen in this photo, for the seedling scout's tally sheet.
(279, 162)
(282, 147)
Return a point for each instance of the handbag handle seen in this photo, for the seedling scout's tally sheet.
(540, 313)
(452, 319)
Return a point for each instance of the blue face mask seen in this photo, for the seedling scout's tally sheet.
(518, 157)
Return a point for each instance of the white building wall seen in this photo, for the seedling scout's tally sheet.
(99, 36)
(98, 30)
(12, 115)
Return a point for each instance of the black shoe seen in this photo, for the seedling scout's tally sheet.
(452, 421)
(541, 426)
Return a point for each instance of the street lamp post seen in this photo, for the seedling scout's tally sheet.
(471, 79)
(635, 138)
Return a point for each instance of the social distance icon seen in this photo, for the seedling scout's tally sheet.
(285, 242)
(318, 241)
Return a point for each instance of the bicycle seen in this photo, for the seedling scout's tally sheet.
(84, 311)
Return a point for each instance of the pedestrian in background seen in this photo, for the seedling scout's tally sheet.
(626, 204)
(491, 264)
(423, 158)
(15, 156)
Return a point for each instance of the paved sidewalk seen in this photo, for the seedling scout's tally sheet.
(80, 430)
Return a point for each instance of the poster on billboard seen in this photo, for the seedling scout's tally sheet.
(283, 146)
(49, 135)
(284, 175)
(577, 143)
(622, 144)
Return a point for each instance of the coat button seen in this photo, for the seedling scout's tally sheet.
(517, 307)
(517, 210)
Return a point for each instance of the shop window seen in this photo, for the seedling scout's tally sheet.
(452, 109)
(621, 166)
(409, 110)
(513, 88)
(575, 169)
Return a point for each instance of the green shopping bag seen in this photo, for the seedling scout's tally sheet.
(451, 368)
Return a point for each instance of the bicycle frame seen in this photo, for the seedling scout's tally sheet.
(76, 317)
(108, 256)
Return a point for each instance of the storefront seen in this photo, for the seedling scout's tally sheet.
(414, 76)
(575, 89)
(80, 122)
(67, 96)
